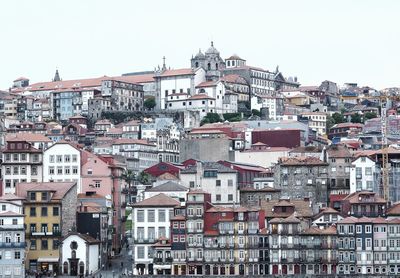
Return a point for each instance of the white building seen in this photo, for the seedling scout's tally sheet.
(152, 222)
(141, 152)
(21, 163)
(274, 104)
(62, 162)
(363, 174)
(214, 178)
(79, 255)
(316, 121)
(181, 81)
(169, 188)
(260, 154)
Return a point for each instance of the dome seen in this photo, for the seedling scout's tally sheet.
(200, 55)
(212, 49)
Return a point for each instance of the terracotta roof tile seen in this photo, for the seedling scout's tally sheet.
(60, 189)
(160, 200)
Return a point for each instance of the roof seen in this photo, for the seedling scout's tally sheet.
(103, 122)
(265, 189)
(348, 125)
(28, 137)
(355, 198)
(208, 84)
(338, 151)
(327, 210)
(60, 189)
(208, 166)
(235, 57)
(200, 96)
(394, 210)
(307, 149)
(301, 160)
(234, 78)
(168, 186)
(331, 230)
(301, 207)
(124, 141)
(160, 200)
(175, 72)
(85, 237)
(9, 214)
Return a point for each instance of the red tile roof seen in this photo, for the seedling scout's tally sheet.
(60, 189)
(28, 137)
(207, 84)
(301, 160)
(200, 96)
(175, 72)
(160, 200)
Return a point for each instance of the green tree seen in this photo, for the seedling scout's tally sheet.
(129, 177)
(211, 118)
(330, 122)
(369, 115)
(232, 117)
(144, 178)
(256, 112)
(150, 103)
(356, 118)
(338, 118)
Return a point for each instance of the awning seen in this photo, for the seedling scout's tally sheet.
(47, 260)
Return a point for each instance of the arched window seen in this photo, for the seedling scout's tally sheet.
(197, 64)
(209, 66)
(65, 267)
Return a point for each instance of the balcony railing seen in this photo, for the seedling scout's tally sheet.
(144, 240)
(12, 244)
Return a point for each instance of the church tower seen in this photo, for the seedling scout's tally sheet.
(56, 76)
(210, 61)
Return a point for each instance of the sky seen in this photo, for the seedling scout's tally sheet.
(342, 41)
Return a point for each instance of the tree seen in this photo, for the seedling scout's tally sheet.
(232, 117)
(150, 103)
(338, 118)
(129, 177)
(330, 122)
(369, 115)
(356, 118)
(211, 118)
(256, 112)
(144, 178)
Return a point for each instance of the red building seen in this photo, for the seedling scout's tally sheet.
(246, 172)
(289, 138)
(164, 167)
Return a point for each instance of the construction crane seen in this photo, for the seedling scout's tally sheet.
(384, 148)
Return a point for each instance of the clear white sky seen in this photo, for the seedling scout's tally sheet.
(342, 41)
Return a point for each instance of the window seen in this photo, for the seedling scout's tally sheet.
(17, 255)
(23, 157)
(74, 158)
(32, 212)
(218, 183)
(150, 215)
(51, 170)
(210, 174)
(33, 244)
(56, 211)
(89, 171)
(15, 157)
(358, 229)
(191, 184)
(32, 228)
(44, 211)
(230, 197)
(368, 171)
(34, 170)
(97, 184)
(161, 215)
(218, 197)
(59, 170)
(140, 216)
(59, 158)
(67, 170)
(23, 170)
(368, 229)
(140, 251)
(44, 244)
(15, 170)
(67, 158)
(74, 170)
(52, 158)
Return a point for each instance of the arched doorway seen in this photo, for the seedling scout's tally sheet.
(284, 269)
(208, 269)
(81, 268)
(65, 268)
(296, 269)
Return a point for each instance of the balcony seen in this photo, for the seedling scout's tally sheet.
(162, 261)
(12, 244)
(144, 240)
(44, 233)
(11, 227)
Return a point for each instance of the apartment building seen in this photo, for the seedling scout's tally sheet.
(50, 213)
(21, 163)
(152, 222)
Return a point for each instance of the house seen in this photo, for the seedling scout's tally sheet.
(162, 259)
(363, 204)
(262, 189)
(212, 177)
(140, 154)
(169, 188)
(152, 222)
(62, 162)
(103, 125)
(21, 162)
(12, 240)
(327, 217)
(303, 177)
(164, 167)
(364, 174)
(50, 213)
(79, 254)
(316, 121)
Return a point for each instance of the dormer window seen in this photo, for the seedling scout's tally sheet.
(32, 196)
(45, 196)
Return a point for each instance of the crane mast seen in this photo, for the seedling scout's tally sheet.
(384, 148)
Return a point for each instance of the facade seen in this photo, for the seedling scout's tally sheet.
(215, 178)
(364, 175)
(50, 209)
(21, 162)
(62, 162)
(124, 96)
(363, 203)
(339, 158)
(303, 177)
(316, 121)
(12, 244)
(274, 105)
(79, 254)
(152, 222)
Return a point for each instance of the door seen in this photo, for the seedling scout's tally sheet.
(74, 267)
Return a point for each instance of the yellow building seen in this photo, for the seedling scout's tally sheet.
(50, 212)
